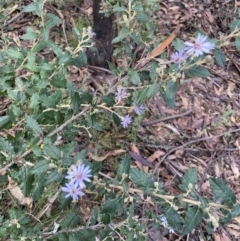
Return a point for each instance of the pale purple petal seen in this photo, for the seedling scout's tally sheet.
(72, 190)
(120, 94)
(138, 109)
(126, 121)
(200, 46)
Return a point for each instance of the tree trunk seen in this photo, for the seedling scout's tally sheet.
(103, 28)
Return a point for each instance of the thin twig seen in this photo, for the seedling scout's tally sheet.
(94, 227)
(165, 118)
(165, 197)
(14, 18)
(189, 143)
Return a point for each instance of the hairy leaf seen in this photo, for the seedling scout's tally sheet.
(134, 76)
(141, 179)
(122, 34)
(220, 57)
(4, 121)
(193, 218)
(40, 167)
(170, 92)
(222, 192)
(123, 168)
(52, 151)
(112, 205)
(33, 125)
(174, 219)
(6, 146)
(189, 179)
(197, 71)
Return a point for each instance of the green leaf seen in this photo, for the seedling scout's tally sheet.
(115, 71)
(193, 218)
(55, 48)
(236, 211)
(123, 168)
(141, 179)
(122, 34)
(33, 125)
(79, 61)
(28, 184)
(4, 121)
(6, 146)
(75, 102)
(170, 92)
(197, 71)
(112, 205)
(38, 186)
(30, 8)
(52, 20)
(14, 53)
(34, 101)
(153, 72)
(134, 76)
(178, 44)
(173, 218)
(137, 8)
(30, 35)
(144, 94)
(53, 100)
(36, 150)
(116, 119)
(189, 180)
(142, 17)
(31, 57)
(152, 90)
(237, 43)
(40, 167)
(222, 192)
(52, 151)
(108, 99)
(119, 9)
(220, 57)
(54, 177)
(235, 25)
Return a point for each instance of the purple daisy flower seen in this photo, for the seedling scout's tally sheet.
(90, 33)
(200, 46)
(179, 57)
(72, 190)
(120, 94)
(79, 174)
(138, 109)
(126, 121)
(164, 221)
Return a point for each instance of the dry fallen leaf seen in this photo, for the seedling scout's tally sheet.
(221, 237)
(17, 193)
(235, 169)
(136, 150)
(102, 158)
(155, 155)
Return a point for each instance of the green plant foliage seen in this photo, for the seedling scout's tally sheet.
(170, 92)
(220, 57)
(193, 218)
(197, 71)
(222, 192)
(50, 125)
(189, 180)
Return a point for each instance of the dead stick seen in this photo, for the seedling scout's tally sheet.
(189, 143)
(165, 118)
